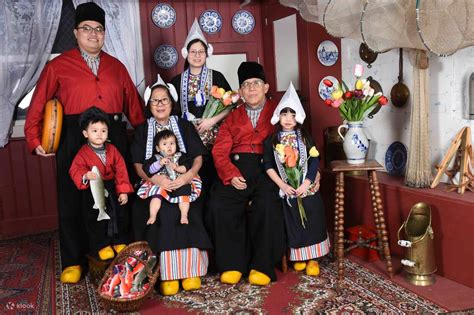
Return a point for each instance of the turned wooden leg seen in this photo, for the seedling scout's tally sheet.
(339, 225)
(382, 229)
(373, 199)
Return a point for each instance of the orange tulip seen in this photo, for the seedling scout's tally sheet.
(215, 92)
(291, 156)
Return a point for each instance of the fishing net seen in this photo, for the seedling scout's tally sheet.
(341, 18)
(445, 26)
(310, 10)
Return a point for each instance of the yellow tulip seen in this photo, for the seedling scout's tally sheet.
(221, 91)
(280, 148)
(337, 94)
(359, 85)
(313, 152)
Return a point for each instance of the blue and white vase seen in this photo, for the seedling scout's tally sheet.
(355, 143)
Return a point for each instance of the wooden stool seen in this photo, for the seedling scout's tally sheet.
(371, 166)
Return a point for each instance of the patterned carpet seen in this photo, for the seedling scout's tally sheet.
(363, 292)
(26, 275)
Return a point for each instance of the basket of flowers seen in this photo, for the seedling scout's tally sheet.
(130, 278)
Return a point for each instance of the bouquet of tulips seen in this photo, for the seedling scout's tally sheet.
(289, 158)
(219, 100)
(356, 104)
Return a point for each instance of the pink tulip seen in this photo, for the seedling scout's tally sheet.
(358, 70)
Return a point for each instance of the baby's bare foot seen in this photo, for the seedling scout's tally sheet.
(150, 221)
(184, 220)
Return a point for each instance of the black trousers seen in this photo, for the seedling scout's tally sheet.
(248, 236)
(106, 232)
(72, 233)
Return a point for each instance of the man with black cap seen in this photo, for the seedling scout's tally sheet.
(245, 211)
(80, 78)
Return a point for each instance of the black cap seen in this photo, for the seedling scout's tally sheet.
(250, 69)
(89, 11)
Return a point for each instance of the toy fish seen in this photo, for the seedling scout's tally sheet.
(140, 277)
(171, 172)
(99, 193)
(113, 283)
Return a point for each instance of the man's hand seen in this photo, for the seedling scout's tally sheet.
(123, 198)
(39, 150)
(238, 183)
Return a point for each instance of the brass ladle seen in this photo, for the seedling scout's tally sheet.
(400, 93)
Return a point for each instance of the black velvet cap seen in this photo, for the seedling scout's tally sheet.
(250, 69)
(89, 11)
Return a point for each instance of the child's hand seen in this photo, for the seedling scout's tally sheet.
(287, 189)
(173, 166)
(122, 199)
(164, 161)
(90, 175)
(303, 188)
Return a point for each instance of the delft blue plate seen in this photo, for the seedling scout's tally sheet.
(210, 21)
(323, 90)
(396, 158)
(163, 15)
(166, 56)
(327, 53)
(243, 22)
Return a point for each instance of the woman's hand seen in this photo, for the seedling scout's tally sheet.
(182, 180)
(39, 150)
(161, 180)
(287, 189)
(205, 124)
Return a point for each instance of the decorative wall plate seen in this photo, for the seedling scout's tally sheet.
(165, 56)
(327, 53)
(210, 21)
(323, 90)
(396, 158)
(163, 15)
(243, 22)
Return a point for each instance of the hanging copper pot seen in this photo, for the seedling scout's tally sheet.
(377, 88)
(367, 54)
(400, 93)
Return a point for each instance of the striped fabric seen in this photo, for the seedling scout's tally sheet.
(148, 189)
(183, 263)
(254, 114)
(310, 252)
(92, 62)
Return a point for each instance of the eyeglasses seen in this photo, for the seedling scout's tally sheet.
(157, 101)
(89, 29)
(255, 84)
(197, 52)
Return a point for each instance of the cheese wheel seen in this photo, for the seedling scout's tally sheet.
(52, 124)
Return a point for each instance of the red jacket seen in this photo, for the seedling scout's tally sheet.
(237, 135)
(69, 79)
(115, 168)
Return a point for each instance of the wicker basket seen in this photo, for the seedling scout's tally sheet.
(129, 305)
(97, 268)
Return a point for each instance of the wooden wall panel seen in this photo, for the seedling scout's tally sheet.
(227, 41)
(27, 191)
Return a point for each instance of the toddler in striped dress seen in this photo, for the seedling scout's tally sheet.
(167, 161)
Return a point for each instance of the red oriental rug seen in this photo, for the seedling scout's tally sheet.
(26, 275)
(363, 292)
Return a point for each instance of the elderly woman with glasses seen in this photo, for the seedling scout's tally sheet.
(247, 217)
(181, 247)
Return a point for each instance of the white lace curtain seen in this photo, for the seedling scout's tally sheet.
(123, 36)
(27, 32)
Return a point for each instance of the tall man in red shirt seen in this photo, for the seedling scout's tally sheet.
(79, 78)
(248, 239)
